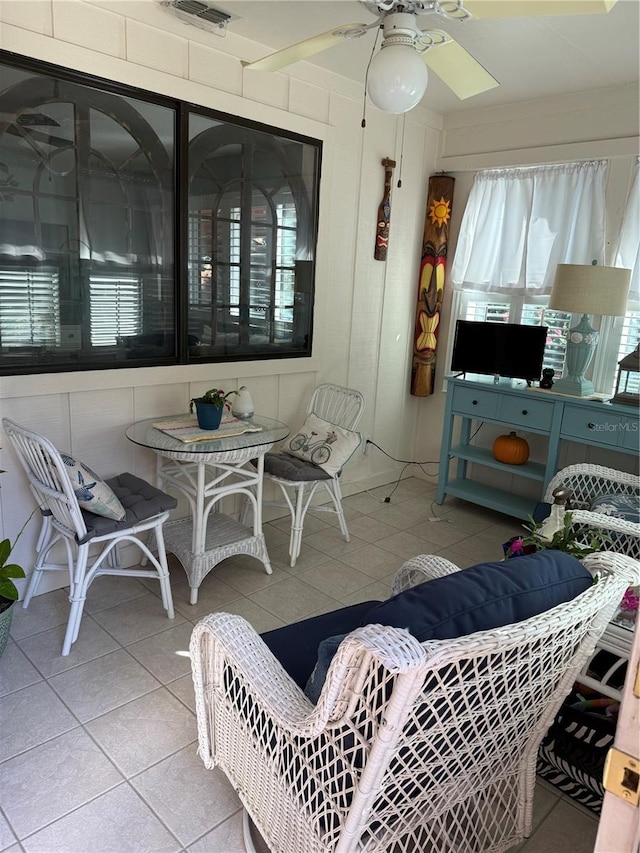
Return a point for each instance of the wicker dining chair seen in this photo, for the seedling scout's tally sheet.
(298, 479)
(91, 541)
(412, 746)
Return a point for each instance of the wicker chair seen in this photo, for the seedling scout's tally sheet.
(91, 542)
(588, 482)
(342, 407)
(411, 747)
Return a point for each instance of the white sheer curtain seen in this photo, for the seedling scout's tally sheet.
(519, 224)
(628, 254)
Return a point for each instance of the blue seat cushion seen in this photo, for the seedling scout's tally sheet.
(140, 500)
(485, 596)
(288, 467)
(296, 645)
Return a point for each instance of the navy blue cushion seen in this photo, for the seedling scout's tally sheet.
(485, 596)
(296, 646)
(140, 500)
(326, 652)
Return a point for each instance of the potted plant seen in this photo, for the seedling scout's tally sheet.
(578, 540)
(8, 590)
(210, 407)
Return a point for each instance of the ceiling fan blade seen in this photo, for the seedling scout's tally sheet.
(536, 8)
(458, 69)
(306, 48)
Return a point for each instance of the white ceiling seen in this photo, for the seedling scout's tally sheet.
(531, 57)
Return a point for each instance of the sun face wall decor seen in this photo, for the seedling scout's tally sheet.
(431, 284)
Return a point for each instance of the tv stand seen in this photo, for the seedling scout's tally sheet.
(555, 416)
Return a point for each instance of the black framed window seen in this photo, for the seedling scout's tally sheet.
(136, 229)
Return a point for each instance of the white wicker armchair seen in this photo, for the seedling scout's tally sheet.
(588, 482)
(412, 747)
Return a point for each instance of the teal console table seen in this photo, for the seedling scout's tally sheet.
(531, 410)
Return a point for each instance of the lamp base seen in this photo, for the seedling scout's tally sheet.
(574, 386)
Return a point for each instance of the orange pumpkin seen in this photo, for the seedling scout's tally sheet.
(510, 449)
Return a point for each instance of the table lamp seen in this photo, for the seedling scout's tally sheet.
(586, 289)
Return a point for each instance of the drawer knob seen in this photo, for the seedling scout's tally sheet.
(474, 402)
(525, 411)
(591, 425)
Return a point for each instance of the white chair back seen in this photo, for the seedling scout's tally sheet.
(48, 478)
(340, 406)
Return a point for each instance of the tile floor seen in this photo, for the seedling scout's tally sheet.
(98, 749)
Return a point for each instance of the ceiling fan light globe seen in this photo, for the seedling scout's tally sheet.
(397, 78)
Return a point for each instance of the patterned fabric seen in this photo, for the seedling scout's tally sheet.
(92, 493)
(619, 506)
(572, 755)
(324, 444)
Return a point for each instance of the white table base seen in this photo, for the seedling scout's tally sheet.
(210, 536)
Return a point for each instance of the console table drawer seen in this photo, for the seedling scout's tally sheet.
(600, 426)
(536, 414)
(478, 404)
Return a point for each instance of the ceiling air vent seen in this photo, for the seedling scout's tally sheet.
(198, 14)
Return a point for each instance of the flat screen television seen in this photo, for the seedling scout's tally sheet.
(499, 349)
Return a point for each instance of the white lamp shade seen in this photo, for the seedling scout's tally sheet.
(586, 289)
(397, 78)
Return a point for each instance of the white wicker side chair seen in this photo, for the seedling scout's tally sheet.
(91, 541)
(412, 747)
(590, 482)
(342, 407)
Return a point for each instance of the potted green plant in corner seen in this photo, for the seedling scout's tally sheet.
(8, 590)
(210, 407)
(577, 540)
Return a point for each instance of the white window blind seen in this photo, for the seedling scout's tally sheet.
(116, 309)
(483, 308)
(29, 307)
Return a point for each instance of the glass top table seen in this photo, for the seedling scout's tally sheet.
(206, 472)
(146, 434)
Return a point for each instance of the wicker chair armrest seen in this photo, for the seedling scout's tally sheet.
(608, 562)
(233, 638)
(424, 567)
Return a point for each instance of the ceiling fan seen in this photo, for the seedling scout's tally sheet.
(397, 75)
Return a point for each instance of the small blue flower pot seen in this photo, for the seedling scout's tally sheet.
(209, 416)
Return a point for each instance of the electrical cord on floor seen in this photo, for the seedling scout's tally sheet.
(406, 463)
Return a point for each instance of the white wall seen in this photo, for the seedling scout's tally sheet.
(363, 334)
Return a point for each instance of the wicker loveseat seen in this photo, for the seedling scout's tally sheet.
(412, 746)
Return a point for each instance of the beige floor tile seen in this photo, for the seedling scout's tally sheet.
(259, 618)
(406, 545)
(292, 599)
(45, 649)
(564, 828)
(108, 591)
(44, 611)
(335, 579)
(371, 529)
(308, 557)
(115, 822)
(51, 780)
(246, 575)
(331, 542)
(99, 686)
(136, 619)
(373, 561)
(32, 716)
(144, 731)
(227, 837)
(16, 672)
(165, 655)
(191, 799)
(8, 839)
